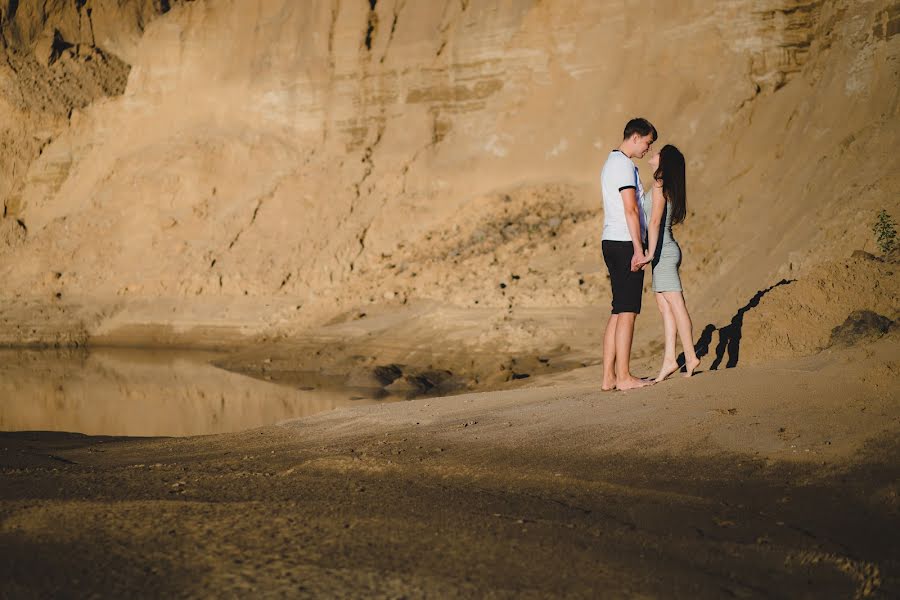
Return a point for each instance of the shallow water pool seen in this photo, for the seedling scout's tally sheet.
(147, 393)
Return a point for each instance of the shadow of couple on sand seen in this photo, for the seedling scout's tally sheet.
(729, 335)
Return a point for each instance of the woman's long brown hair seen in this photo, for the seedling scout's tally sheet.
(671, 172)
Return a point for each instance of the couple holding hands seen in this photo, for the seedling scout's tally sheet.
(631, 218)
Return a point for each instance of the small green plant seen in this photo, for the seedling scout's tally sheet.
(885, 230)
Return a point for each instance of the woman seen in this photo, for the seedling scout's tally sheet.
(669, 207)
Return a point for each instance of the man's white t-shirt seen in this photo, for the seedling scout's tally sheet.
(620, 173)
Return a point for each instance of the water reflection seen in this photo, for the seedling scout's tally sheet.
(145, 393)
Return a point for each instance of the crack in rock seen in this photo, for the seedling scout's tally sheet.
(371, 25)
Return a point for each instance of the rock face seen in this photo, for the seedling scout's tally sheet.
(274, 164)
(59, 56)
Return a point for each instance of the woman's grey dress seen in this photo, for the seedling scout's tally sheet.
(667, 257)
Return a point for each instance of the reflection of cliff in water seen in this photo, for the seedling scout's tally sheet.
(144, 393)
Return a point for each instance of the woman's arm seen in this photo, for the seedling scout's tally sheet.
(656, 215)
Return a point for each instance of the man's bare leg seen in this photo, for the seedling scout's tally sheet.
(685, 330)
(624, 336)
(609, 354)
(669, 363)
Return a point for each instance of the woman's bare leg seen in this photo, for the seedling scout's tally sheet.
(685, 329)
(669, 365)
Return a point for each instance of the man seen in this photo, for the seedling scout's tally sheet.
(624, 231)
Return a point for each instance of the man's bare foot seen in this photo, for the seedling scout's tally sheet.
(631, 383)
(691, 366)
(667, 369)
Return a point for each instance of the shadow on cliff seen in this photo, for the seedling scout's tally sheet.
(729, 335)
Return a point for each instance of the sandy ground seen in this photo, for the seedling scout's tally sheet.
(774, 480)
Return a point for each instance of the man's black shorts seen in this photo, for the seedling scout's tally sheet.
(627, 285)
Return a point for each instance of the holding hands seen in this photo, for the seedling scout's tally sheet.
(640, 260)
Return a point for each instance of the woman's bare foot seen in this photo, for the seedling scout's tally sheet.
(609, 383)
(667, 369)
(631, 383)
(691, 365)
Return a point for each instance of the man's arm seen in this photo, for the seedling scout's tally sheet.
(629, 200)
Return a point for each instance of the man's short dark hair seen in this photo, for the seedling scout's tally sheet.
(639, 126)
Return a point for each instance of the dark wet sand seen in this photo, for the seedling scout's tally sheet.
(526, 522)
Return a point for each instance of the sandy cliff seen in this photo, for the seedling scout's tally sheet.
(274, 167)
(59, 56)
